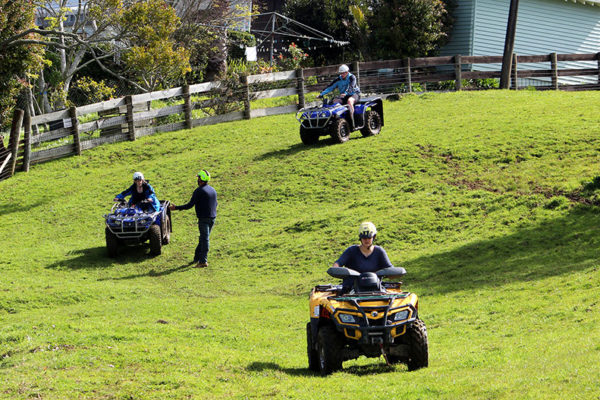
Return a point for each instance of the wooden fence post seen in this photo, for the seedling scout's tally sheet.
(130, 122)
(598, 57)
(15, 134)
(246, 89)
(187, 106)
(515, 84)
(458, 71)
(408, 74)
(300, 87)
(554, 67)
(75, 130)
(27, 140)
(356, 71)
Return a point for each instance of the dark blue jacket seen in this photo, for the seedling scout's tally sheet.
(346, 86)
(204, 199)
(354, 259)
(136, 198)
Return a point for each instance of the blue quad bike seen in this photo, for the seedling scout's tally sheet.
(133, 226)
(333, 120)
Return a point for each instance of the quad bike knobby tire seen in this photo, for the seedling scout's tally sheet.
(307, 136)
(340, 130)
(416, 338)
(166, 237)
(329, 350)
(112, 243)
(372, 123)
(313, 355)
(155, 240)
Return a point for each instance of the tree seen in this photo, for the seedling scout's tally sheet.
(97, 31)
(205, 29)
(345, 20)
(408, 28)
(152, 58)
(17, 63)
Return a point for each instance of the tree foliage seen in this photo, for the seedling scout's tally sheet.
(17, 63)
(408, 28)
(335, 18)
(375, 28)
(153, 59)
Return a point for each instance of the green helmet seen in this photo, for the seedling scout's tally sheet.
(367, 230)
(204, 176)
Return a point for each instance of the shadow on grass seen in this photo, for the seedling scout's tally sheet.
(299, 147)
(259, 366)
(551, 248)
(6, 209)
(358, 370)
(152, 272)
(96, 257)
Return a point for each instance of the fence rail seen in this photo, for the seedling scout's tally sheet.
(71, 131)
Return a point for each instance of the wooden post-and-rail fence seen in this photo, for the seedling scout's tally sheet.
(128, 118)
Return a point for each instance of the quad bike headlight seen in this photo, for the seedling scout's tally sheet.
(401, 315)
(347, 318)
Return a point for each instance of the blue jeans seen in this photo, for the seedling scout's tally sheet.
(204, 227)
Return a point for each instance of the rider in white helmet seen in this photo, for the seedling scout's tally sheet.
(142, 194)
(364, 257)
(347, 85)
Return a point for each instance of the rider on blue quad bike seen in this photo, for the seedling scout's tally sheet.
(349, 91)
(142, 194)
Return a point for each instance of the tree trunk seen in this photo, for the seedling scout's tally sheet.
(217, 61)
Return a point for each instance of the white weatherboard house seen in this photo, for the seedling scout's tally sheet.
(543, 27)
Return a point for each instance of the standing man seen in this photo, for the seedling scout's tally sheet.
(204, 199)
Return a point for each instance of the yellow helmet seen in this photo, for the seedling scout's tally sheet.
(367, 230)
(204, 176)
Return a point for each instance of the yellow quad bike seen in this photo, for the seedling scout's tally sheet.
(371, 318)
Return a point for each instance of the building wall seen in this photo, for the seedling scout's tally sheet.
(461, 37)
(543, 26)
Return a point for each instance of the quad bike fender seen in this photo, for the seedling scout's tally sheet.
(165, 212)
(375, 105)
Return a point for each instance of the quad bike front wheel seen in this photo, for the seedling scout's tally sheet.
(155, 240)
(372, 123)
(308, 136)
(313, 356)
(340, 130)
(329, 349)
(112, 243)
(416, 338)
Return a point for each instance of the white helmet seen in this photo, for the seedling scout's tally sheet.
(343, 68)
(367, 230)
(138, 175)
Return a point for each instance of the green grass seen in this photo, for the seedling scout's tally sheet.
(489, 200)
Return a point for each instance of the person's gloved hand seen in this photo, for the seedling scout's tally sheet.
(320, 96)
(171, 206)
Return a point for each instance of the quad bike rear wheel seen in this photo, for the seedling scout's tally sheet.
(372, 123)
(416, 338)
(313, 355)
(166, 239)
(112, 243)
(329, 349)
(340, 130)
(155, 240)
(308, 136)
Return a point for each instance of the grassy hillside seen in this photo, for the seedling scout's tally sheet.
(489, 200)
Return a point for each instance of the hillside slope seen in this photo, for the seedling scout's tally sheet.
(489, 200)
